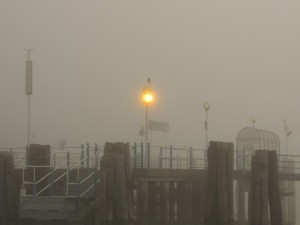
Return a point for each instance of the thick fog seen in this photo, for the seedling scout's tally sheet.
(92, 60)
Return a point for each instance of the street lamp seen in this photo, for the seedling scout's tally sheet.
(253, 120)
(206, 107)
(287, 133)
(28, 90)
(147, 99)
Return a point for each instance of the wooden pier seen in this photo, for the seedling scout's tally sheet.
(175, 190)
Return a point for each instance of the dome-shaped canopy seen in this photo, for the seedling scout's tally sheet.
(256, 139)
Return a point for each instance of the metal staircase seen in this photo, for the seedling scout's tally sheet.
(64, 193)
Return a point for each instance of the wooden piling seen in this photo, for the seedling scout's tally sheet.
(38, 155)
(229, 182)
(164, 202)
(259, 200)
(198, 202)
(8, 190)
(251, 193)
(142, 202)
(120, 201)
(240, 201)
(154, 202)
(128, 180)
(172, 201)
(184, 202)
(113, 193)
(106, 192)
(219, 191)
(274, 192)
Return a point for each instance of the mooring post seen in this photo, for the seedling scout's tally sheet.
(164, 200)
(258, 203)
(184, 210)
(240, 201)
(142, 201)
(153, 202)
(219, 180)
(172, 199)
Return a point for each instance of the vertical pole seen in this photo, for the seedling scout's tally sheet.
(34, 182)
(164, 202)
(146, 127)
(54, 160)
(191, 158)
(134, 155)
(28, 89)
(96, 170)
(206, 129)
(172, 199)
(148, 154)
(274, 190)
(142, 201)
(67, 183)
(52, 181)
(78, 191)
(161, 156)
(96, 155)
(243, 159)
(142, 155)
(206, 135)
(171, 156)
(28, 125)
(82, 156)
(87, 155)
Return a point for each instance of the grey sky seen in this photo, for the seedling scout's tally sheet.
(92, 59)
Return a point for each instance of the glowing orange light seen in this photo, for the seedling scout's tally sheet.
(147, 97)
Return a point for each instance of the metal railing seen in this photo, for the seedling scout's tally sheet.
(87, 158)
(152, 157)
(167, 157)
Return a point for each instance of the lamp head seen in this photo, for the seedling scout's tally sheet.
(147, 96)
(206, 106)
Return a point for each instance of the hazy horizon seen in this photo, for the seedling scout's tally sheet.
(92, 59)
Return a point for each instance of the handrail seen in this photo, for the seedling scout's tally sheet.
(65, 173)
(85, 179)
(89, 188)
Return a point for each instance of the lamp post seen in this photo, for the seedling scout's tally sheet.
(253, 120)
(28, 90)
(206, 107)
(287, 133)
(141, 132)
(147, 99)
